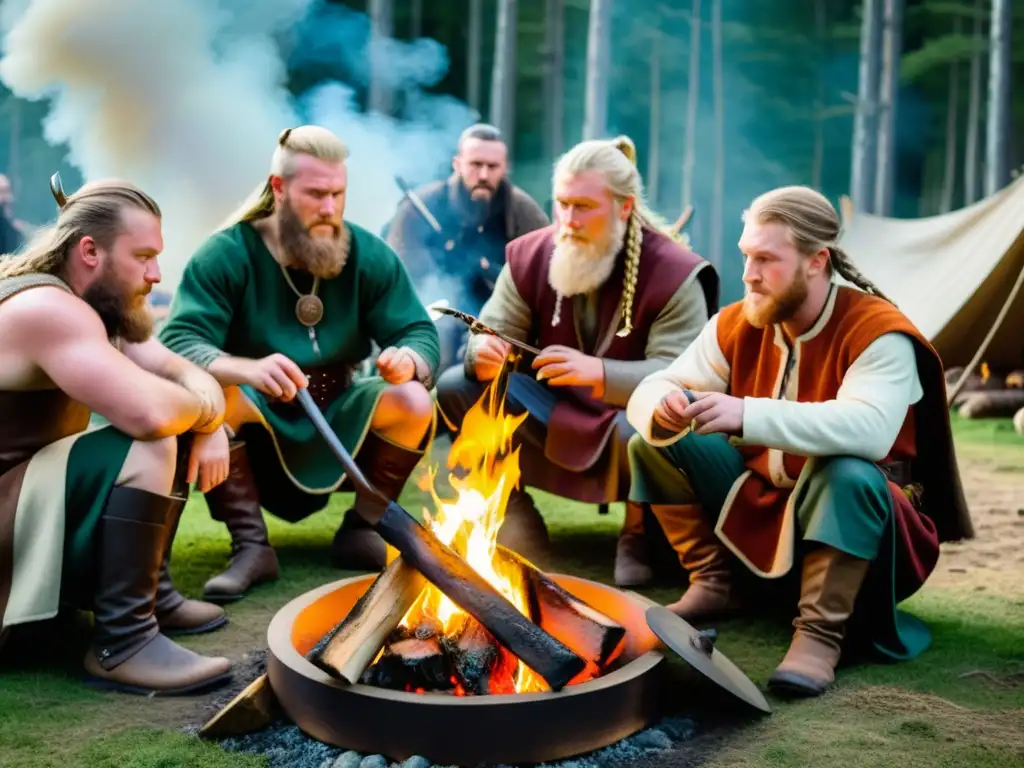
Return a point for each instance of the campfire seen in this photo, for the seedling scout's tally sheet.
(408, 635)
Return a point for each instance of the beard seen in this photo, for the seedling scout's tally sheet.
(323, 257)
(581, 267)
(762, 310)
(124, 312)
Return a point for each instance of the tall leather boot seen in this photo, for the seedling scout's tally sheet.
(632, 557)
(236, 503)
(387, 465)
(128, 653)
(703, 556)
(175, 614)
(829, 583)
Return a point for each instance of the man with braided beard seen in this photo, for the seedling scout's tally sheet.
(290, 295)
(609, 298)
(803, 437)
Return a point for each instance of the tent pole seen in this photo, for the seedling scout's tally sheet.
(988, 340)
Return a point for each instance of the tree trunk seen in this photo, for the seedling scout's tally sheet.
(503, 76)
(692, 101)
(952, 109)
(554, 81)
(972, 153)
(416, 19)
(595, 121)
(474, 46)
(718, 194)
(654, 137)
(885, 166)
(818, 158)
(997, 158)
(381, 28)
(862, 176)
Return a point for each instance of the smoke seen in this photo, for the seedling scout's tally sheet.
(187, 98)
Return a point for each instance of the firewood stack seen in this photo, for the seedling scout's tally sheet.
(990, 396)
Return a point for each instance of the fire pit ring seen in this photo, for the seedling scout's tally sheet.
(463, 730)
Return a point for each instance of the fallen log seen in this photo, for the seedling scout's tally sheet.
(592, 635)
(351, 646)
(1003, 403)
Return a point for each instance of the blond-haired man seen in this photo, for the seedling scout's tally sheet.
(803, 437)
(290, 295)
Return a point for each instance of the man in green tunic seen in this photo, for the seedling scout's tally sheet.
(290, 295)
(88, 511)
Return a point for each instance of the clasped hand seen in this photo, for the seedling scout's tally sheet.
(396, 366)
(709, 413)
(566, 367)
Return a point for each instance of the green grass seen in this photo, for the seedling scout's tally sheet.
(960, 704)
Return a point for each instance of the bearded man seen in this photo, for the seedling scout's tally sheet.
(478, 211)
(287, 296)
(804, 436)
(88, 512)
(609, 298)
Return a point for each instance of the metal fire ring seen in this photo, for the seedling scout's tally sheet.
(512, 728)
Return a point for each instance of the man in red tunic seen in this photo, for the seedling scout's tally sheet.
(803, 438)
(609, 298)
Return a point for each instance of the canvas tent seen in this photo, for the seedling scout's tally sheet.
(951, 274)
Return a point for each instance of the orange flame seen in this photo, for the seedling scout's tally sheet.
(470, 522)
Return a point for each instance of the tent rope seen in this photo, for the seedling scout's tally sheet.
(962, 381)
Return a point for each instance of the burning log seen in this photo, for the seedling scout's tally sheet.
(592, 635)
(414, 661)
(989, 405)
(348, 649)
(480, 664)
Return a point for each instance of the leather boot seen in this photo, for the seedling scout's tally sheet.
(523, 530)
(703, 556)
(829, 583)
(387, 465)
(175, 614)
(632, 562)
(128, 653)
(236, 503)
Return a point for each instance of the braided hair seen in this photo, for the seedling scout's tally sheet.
(813, 224)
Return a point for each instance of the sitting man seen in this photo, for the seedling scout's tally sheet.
(88, 512)
(291, 295)
(609, 298)
(805, 432)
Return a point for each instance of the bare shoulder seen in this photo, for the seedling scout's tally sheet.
(48, 312)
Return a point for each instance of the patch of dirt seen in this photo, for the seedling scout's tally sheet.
(993, 561)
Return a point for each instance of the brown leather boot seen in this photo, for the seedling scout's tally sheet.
(830, 582)
(128, 653)
(387, 465)
(523, 530)
(236, 503)
(632, 566)
(703, 556)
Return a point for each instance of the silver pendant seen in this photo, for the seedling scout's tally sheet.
(309, 309)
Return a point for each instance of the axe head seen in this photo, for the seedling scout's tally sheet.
(57, 190)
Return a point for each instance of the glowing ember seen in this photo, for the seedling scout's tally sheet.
(469, 524)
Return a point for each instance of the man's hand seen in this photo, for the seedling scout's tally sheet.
(209, 462)
(396, 366)
(566, 367)
(714, 412)
(489, 357)
(210, 395)
(275, 375)
(670, 412)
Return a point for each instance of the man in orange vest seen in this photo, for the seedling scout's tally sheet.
(803, 439)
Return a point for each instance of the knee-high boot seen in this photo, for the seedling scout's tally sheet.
(829, 583)
(128, 652)
(702, 555)
(387, 465)
(236, 503)
(632, 555)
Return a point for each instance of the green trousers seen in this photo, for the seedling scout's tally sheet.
(845, 504)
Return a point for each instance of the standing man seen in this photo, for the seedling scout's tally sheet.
(478, 212)
(839, 472)
(88, 514)
(287, 296)
(609, 298)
